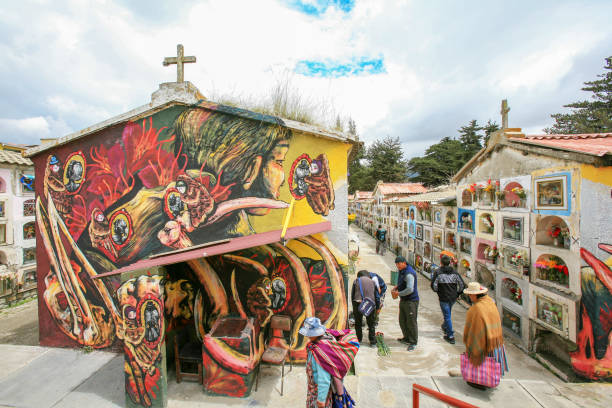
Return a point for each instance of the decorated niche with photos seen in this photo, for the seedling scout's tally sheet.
(450, 240)
(427, 234)
(437, 237)
(551, 192)
(426, 250)
(427, 268)
(466, 198)
(511, 321)
(513, 229)
(411, 244)
(418, 247)
(511, 290)
(28, 208)
(418, 262)
(437, 254)
(486, 193)
(450, 220)
(437, 216)
(29, 255)
(466, 220)
(486, 251)
(514, 260)
(553, 269)
(553, 231)
(465, 244)
(464, 268)
(553, 314)
(513, 195)
(419, 231)
(486, 223)
(424, 211)
(29, 230)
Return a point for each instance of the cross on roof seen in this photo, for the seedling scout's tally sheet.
(504, 112)
(179, 60)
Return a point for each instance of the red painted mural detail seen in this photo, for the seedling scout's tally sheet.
(593, 358)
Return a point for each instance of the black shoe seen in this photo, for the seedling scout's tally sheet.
(477, 386)
(411, 347)
(451, 340)
(403, 340)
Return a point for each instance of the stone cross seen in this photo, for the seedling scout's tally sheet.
(504, 112)
(179, 60)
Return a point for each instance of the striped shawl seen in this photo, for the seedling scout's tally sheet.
(336, 353)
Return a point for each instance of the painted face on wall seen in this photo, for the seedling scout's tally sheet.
(273, 174)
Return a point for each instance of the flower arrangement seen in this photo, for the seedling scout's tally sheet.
(351, 218)
(418, 261)
(465, 263)
(488, 222)
(552, 314)
(450, 220)
(451, 240)
(489, 187)
(514, 291)
(518, 259)
(424, 209)
(554, 270)
(519, 192)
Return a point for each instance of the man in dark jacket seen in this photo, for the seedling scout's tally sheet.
(448, 285)
(408, 293)
(369, 292)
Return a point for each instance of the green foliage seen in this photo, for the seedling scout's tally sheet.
(589, 116)
(470, 139)
(386, 160)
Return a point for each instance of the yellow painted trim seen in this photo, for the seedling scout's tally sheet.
(601, 175)
(288, 217)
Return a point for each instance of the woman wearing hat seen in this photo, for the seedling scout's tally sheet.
(330, 355)
(482, 334)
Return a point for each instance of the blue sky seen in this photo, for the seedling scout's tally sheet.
(418, 70)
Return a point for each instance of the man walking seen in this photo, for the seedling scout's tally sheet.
(407, 290)
(364, 288)
(448, 285)
(381, 236)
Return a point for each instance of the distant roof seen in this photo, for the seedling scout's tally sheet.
(596, 144)
(7, 156)
(400, 188)
(351, 197)
(363, 195)
(431, 197)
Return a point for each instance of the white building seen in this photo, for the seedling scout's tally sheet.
(17, 226)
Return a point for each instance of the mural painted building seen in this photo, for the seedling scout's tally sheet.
(529, 218)
(17, 226)
(188, 217)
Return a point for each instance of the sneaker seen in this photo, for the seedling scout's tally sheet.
(411, 347)
(451, 340)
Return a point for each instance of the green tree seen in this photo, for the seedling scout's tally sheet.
(360, 176)
(386, 160)
(489, 128)
(589, 116)
(441, 161)
(470, 139)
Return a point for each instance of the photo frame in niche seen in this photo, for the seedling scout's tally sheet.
(29, 230)
(419, 231)
(426, 250)
(550, 312)
(465, 245)
(438, 238)
(511, 321)
(466, 220)
(450, 240)
(418, 247)
(437, 216)
(512, 229)
(29, 255)
(551, 193)
(427, 234)
(514, 260)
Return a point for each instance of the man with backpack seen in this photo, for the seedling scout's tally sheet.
(365, 304)
(448, 285)
(381, 237)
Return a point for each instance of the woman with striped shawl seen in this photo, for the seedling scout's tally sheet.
(482, 334)
(330, 355)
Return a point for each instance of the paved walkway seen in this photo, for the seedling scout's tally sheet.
(32, 376)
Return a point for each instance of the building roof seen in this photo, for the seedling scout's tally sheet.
(185, 93)
(400, 188)
(596, 144)
(440, 196)
(7, 156)
(363, 195)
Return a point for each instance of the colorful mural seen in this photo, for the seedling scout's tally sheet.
(184, 177)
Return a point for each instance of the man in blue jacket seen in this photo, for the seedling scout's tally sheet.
(408, 292)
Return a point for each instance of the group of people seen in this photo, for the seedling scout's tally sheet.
(331, 352)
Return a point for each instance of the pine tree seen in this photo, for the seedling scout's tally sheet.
(589, 116)
(386, 160)
(489, 128)
(470, 139)
(441, 161)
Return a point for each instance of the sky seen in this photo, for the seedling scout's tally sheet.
(418, 70)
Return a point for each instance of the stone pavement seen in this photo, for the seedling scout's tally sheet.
(32, 376)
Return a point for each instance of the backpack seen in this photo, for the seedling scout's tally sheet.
(367, 306)
(381, 234)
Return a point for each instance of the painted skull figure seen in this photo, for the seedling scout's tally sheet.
(54, 187)
(140, 326)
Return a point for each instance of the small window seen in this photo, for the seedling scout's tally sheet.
(29, 255)
(27, 183)
(28, 208)
(2, 208)
(29, 231)
(2, 233)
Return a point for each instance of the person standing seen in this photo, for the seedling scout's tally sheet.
(364, 288)
(408, 293)
(330, 354)
(381, 236)
(448, 285)
(482, 334)
(380, 291)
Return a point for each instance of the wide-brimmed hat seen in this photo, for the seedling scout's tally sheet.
(312, 327)
(474, 288)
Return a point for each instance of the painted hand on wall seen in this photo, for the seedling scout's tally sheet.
(310, 178)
